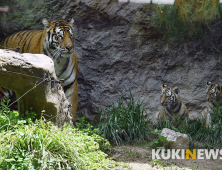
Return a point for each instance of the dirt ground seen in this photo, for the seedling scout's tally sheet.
(140, 158)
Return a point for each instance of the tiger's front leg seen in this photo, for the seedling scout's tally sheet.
(73, 99)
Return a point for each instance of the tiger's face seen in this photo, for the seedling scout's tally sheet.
(59, 41)
(213, 92)
(169, 96)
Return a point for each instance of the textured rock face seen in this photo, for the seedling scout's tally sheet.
(118, 51)
(21, 72)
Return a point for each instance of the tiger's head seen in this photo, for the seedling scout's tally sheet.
(59, 41)
(169, 96)
(213, 92)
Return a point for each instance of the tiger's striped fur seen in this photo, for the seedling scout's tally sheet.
(173, 107)
(8, 94)
(57, 42)
(214, 96)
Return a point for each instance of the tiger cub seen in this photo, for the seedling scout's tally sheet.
(8, 94)
(173, 107)
(214, 96)
(56, 41)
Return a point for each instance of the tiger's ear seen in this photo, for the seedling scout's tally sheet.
(176, 90)
(164, 86)
(218, 87)
(46, 23)
(208, 83)
(71, 22)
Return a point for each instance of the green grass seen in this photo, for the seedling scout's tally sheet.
(200, 136)
(123, 122)
(84, 126)
(37, 145)
(209, 137)
(40, 145)
(186, 19)
(11, 119)
(159, 142)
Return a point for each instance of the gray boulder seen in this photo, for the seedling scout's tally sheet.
(22, 72)
(179, 140)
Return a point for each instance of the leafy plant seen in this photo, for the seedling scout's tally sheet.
(160, 142)
(89, 129)
(187, 18)
(123, 124)
(39, 145)
(209, 137)
(200, 136)
(11, 119)
(177, 125)
(159, 163)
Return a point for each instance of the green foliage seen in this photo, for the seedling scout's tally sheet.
(39, 145)
(209, 137)
(123, 124)
(84, 126)
(159, 142)
(178, 125)
(11, 119)
(187, 18)
(200, 136)
(160, 163)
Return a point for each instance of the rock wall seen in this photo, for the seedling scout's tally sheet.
(118, 51)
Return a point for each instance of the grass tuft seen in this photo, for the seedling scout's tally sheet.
(37, 145)
(200, 136)
(187, 18)
(123, 123)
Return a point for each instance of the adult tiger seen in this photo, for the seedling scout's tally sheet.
(57, 42)
(214, 96)
(173, 107)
